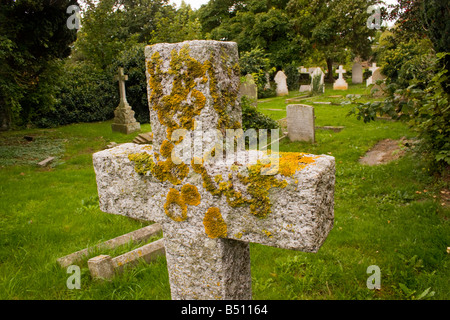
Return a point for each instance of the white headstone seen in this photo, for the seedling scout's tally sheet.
(357, 73)
(317, 81)
(300, 122)
(280, 80)
(369, 80)
(340, 83)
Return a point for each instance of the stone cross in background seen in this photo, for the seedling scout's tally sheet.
(369, 80)
(124, 120)
(340, 83)
(211, 210)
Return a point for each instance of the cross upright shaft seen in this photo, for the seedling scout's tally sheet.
(121, 77)
(210, 212)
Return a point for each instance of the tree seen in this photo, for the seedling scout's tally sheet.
(333, 26)
(33, 34)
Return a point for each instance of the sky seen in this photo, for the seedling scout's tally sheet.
(195, 4)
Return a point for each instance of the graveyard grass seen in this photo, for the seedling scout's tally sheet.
(388, 215)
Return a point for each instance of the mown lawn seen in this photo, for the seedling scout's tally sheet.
(388, 215)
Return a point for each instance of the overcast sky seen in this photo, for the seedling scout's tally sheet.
(195, 4)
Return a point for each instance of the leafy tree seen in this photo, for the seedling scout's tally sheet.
(333, 26)
(33, 34)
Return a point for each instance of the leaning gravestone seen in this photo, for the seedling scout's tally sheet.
(124, 120)
(250, 89)
(340, 83)
(280, 80)
(357, 73)
(210, 210)
(378, 89)
(317, 81)
(300, 122)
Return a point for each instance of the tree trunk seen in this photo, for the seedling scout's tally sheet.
(330, 78)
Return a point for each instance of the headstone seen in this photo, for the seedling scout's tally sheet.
(304, 74)
(369, 80)
(211, 211)
(300, 123)
(317, 81)
(124, 120)
(46, 162)
(378, 89)
(280, 80)
(357, 73)
(340, 83)
(267, 86)
(250, 89)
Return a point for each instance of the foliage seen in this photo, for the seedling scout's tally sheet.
(86, 94)
(133, 61)
(257, 63)
(293, 77)
(253, 119)
(424, 106)
(33, 34)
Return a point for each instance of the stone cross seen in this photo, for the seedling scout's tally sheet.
(124, 120)
(211, 210)
(373, 68)
(340, 83)
(121, 77)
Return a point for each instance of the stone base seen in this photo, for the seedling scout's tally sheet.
(340, 85)
(126, 128)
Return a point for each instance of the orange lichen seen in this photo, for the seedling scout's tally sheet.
(215, 226)
(173, 201)
(190, 195)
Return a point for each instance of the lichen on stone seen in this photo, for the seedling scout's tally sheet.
(215, 226)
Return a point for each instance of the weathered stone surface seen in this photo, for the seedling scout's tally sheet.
(210, 211)
(300, 122)
(217, 85)
(357, 73)
(124, 121)
(280, 80)
(317, 80)
(142, 234)
(378, 88)
(250, 89)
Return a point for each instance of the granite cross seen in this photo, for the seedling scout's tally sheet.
(121, 77)
(209, 210)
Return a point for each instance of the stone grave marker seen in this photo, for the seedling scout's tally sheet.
(280, 80)
(300, 122)
(210, 210)
(357, 73)
(250, 89)
(378, 89)
(124, 120)
(340, 83)
(304, 87)
(317, 81)
(369, 80)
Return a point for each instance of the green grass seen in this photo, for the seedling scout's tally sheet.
(380, 218)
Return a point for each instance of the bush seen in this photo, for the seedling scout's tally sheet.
(253, 119)
(86, 94)
(425, 106)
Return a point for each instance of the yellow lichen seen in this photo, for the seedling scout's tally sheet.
(190, 195)
(175, 201)
(215, 226)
